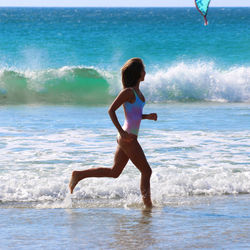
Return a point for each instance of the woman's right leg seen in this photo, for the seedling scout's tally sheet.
(135, 153)
(120, 161)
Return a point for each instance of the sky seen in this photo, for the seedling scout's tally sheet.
(121, 3)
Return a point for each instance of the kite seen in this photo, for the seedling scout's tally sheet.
(202, 7)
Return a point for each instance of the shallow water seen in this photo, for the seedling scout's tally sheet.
(200, 222)
(193, 149)
(199, 154)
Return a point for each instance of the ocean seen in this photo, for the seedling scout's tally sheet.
(60, 71)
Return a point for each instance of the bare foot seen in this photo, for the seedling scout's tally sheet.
(149, 206)
(73, 181)
(147, 202)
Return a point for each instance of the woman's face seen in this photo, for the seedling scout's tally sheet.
(143, 73)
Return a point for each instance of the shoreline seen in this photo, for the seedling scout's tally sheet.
(222, 223)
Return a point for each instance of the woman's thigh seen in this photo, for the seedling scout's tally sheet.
(120, 160)
(134, 152)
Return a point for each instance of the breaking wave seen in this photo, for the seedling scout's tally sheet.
(182, 82)
(66, 85)
(199, 82)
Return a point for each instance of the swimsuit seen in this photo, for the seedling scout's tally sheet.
(133, 115)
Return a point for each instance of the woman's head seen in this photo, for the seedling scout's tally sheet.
(132, 72)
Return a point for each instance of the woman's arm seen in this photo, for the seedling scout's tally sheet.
(152, 116)
(124, 96)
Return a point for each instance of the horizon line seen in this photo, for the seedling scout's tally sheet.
(28, 6)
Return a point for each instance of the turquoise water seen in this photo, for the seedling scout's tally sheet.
(59, 71)
(73, 55)
(106, 37)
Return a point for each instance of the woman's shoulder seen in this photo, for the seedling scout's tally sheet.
(128, 93)
(128, 90)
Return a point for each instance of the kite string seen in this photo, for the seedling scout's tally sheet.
(205, 20)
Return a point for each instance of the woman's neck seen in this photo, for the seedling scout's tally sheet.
(137, 86)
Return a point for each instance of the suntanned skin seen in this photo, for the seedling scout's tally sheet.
(128, 148)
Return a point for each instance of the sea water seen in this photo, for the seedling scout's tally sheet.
(59, 71)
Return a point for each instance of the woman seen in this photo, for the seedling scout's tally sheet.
(133, 101)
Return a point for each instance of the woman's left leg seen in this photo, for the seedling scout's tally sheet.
(120, 161)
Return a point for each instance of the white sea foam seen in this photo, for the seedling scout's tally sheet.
(198, 81)
(36, 169)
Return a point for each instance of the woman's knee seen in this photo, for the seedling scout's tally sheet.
(114, 174)
(147, 172)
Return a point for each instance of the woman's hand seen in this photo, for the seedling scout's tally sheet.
(126, 136)
(152, 116)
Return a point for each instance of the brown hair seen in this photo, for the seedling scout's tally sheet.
(131, 72)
